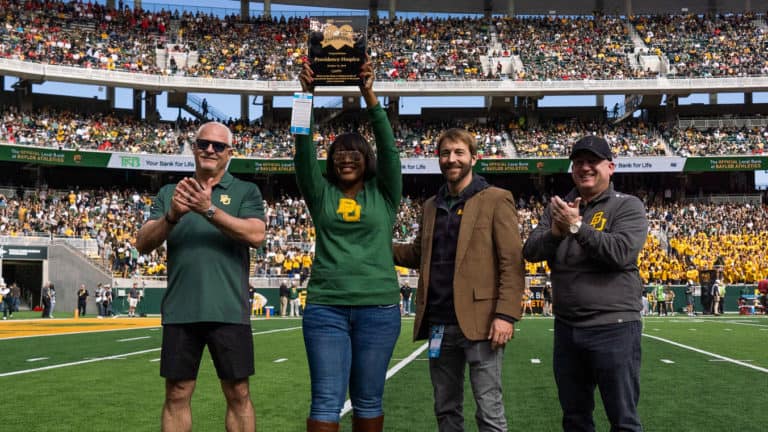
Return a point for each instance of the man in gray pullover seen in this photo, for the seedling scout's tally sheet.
(591, 240)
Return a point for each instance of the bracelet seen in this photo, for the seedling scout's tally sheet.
(169, 220)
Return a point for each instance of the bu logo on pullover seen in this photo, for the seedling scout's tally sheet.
(598, 221)
(349, 210)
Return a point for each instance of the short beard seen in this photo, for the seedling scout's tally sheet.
(464, 173)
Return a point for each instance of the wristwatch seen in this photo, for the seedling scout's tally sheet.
(210, 212)
(574, 227)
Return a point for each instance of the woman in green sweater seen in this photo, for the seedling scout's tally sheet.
(351, 320)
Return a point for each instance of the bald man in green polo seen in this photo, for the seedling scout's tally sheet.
(209, 221)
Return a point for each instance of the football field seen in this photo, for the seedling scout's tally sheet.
(699, 374)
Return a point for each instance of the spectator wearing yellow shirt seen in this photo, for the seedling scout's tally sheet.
(287, 266)
(306, 267)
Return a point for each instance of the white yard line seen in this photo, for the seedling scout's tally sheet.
(390, 373)
(746, 324)
(112, 357)
(707, 353)
(93, 360)
(275, 330)
(133, 339)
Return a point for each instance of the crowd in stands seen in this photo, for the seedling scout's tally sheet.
(260, 48)
(682, 237)
(112, 217)
(718, 141)
(706, 236)
(90, 35)
(632, 137)
(430, 48)
(707, 46)
(568, 48)
(115, 132)
(98, 131)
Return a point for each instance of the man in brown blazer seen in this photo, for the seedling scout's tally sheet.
(469, 256)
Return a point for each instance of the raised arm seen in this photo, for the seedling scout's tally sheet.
(308, 175)
(389, 177)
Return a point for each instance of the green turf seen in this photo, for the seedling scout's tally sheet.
(127, 393)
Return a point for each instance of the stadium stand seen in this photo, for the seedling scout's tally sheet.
(191, 44)
(51, 200)
(119, 132)
(684, 237)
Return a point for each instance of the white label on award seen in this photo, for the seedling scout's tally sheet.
(301, 113)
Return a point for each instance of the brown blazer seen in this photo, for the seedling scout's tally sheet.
(488, 274)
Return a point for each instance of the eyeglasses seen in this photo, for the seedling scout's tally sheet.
(218, 147)
(344, 155)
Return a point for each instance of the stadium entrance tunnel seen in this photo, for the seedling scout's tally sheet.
(28, 275)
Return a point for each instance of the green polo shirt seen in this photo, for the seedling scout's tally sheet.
(353, 263)
(207, 269)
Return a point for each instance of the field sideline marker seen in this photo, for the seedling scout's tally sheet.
(390, 373)
(80, 332)
(700, 351)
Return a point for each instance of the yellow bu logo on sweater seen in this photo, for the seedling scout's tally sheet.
(598, 221)
(349, 210)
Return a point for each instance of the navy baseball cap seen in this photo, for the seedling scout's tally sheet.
(593, 144)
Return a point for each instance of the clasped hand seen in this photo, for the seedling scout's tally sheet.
(190, 195)
(563, 214)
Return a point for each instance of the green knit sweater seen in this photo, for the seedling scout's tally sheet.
(353, 253)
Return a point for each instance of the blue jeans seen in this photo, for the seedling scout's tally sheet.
(607, 357)
(406, 306)
(447, 375)
(349, 345)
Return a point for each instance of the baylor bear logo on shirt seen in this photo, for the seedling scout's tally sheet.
(598, 221)
(349, 210)
(225, 199)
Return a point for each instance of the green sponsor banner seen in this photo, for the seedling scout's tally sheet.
(49, 156)
(46, 156)
(730, 163)
(528, 166)
(262, 166)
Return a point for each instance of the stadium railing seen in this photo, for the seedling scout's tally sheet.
(37, 71)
